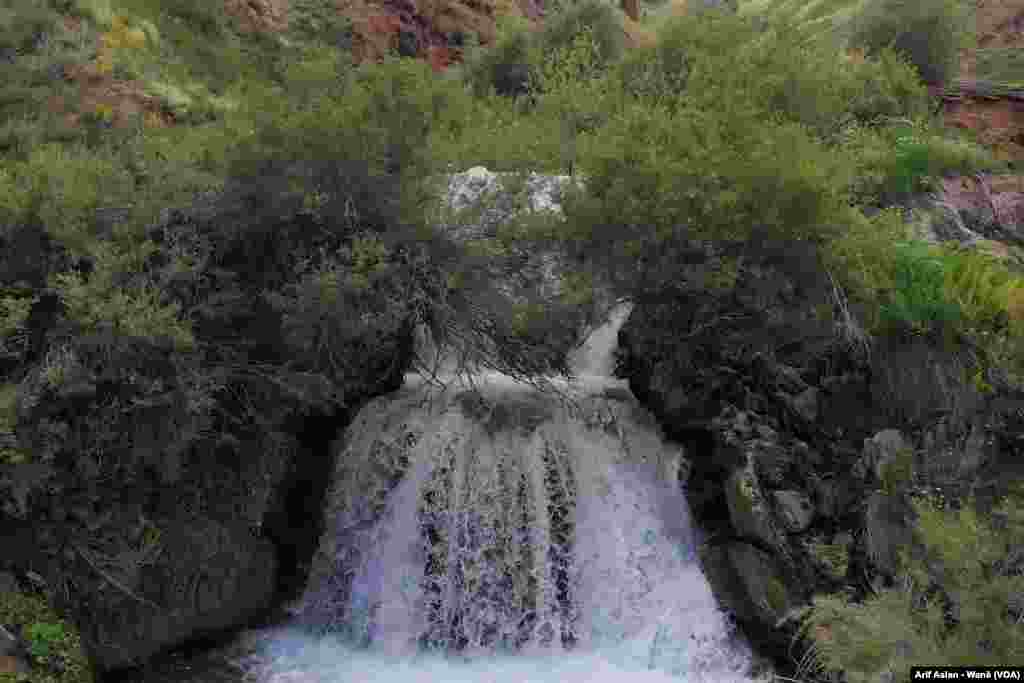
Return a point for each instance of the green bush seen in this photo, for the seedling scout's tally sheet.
(657, 179)
(911, 165)
(505, 67)
(918, 302)
(22, 26)
(43, 637)
(957, 604)
(571, 92)
(886, 86)
(983, 287)
(600, 18)
(929, 33)
(898, 159)
(713, 56)
(863, 255)
(658, 71)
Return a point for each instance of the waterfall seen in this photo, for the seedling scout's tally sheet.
(493, 532)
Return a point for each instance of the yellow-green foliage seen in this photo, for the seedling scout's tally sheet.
(929, 33)
(897, 472)
(572, 94)
(904, 626)
(598, 19)
(137, 310)
(775, 594)
(13, 314)
(897, 159)
(53, 641)
(63, 187)
(1001, 65)
(836, 556)
(8, 421)
(863, 254)
(984, 288)
(8, 417)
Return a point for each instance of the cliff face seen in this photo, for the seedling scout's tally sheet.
(789, 430)
(789, 441)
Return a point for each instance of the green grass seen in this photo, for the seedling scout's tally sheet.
(1003, 66)
(54, 642)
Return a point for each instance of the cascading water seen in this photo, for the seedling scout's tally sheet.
(496, 533)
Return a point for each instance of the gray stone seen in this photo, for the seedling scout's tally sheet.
(879, 450)
(788, 379)
(826, 497)
(805, 404)
(748, 583)
(750, 515)
(794, 510)
(13, 659)
(888, 522)
(211, 576)
(8, 584)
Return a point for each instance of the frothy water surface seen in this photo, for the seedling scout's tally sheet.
(499, 534)
(496, 533)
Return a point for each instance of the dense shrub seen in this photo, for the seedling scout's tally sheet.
(600, 18)
(505, 66)
(929, 33)
(887, 86)
(895, 160)
(863, 255)
(918, 302)
(658, 179)
(813, 83)
(657, 71)
(352, 170)
(958, 606)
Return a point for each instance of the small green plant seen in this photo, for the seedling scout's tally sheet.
(835, 556)
(43, 638)
(8, 398)
(981, 286)
(898, 472)
(775, 595)
(53, 642)
(918, 302)
(910, 165)
(929, 33)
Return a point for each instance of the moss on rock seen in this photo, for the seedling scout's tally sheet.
(54, 644)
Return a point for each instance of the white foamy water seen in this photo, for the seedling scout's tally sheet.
(498, 534)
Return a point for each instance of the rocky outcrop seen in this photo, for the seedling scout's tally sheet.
(164, 494)
(802, 450)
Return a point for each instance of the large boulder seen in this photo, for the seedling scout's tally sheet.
(802, 448)
(210, 575)
(174, 489)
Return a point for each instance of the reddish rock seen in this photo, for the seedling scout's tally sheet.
(384, 23)
(999, 122)
(440, 57)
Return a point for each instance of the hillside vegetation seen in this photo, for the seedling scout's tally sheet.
(787, 121)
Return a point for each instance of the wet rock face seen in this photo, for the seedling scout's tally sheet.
(214, 576)
(142, 491)
(794, 446)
